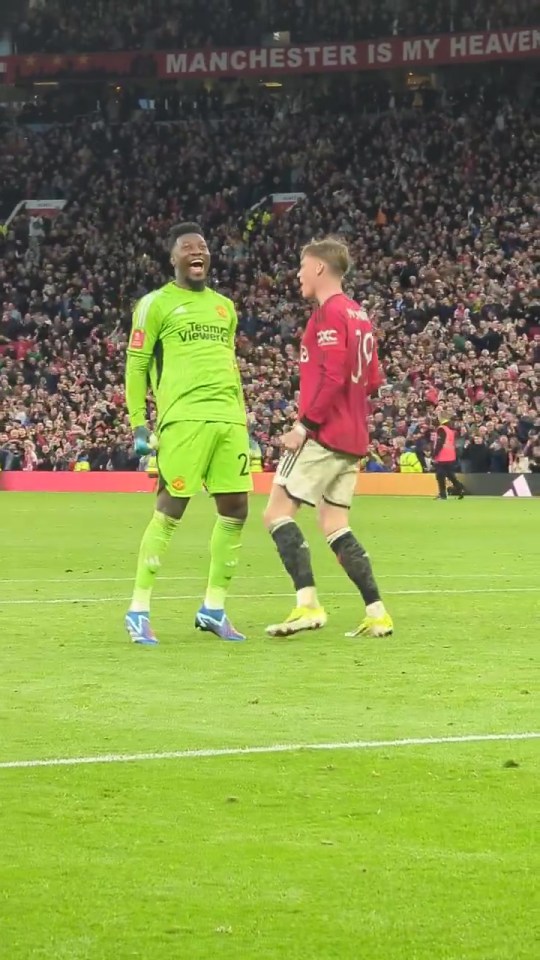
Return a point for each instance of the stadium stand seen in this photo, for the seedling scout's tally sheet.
(436, 194)
(61, 26)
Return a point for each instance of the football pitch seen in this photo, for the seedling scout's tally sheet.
(411, 836)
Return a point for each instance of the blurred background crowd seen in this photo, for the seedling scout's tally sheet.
(434, 186)
(62, 26)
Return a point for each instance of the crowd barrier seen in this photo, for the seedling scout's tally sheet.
(369, 484)
(110, 482)
(502, 484)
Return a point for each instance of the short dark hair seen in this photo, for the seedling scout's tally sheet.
(181, 230)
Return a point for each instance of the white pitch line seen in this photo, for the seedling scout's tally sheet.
(250, 596)
(270, 576)
(277, 576)
(274, 748)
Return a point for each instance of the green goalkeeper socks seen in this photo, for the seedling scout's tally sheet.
(154, 544)
(224, 547)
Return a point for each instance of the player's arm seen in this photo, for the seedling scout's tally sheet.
(232, 343)
(145, 331)
(332, 343)
(375, 377)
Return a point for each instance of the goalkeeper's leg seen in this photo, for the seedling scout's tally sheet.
(225, 545)
(228, 480)
(181, 454)
(154, 544)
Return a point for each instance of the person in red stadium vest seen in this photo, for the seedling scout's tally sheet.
(445, 460)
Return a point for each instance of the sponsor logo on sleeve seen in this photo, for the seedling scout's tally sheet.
(137, 339)
(327, 338)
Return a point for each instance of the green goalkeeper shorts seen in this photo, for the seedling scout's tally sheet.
(196, 454)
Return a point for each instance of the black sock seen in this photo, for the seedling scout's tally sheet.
(294, 553)
(356, 563)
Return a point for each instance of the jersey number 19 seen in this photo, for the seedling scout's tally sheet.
(364, 354)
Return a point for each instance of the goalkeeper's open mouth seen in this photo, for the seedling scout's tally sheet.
(197, 268)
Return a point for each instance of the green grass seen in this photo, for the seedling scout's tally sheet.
(398, 853)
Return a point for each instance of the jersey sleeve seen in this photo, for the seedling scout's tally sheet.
(232, 343)
(233, 327)
(145, 331)
(375, 377)
(331, 333)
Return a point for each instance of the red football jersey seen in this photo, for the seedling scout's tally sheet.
(339, 370)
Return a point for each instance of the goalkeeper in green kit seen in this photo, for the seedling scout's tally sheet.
(182, 345)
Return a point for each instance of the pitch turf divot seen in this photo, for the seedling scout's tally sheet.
(275, 748)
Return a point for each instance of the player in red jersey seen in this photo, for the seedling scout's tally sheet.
(339, 370)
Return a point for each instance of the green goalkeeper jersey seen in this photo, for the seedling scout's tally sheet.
(182, 345)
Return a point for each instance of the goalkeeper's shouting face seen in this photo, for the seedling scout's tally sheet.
(189, 256)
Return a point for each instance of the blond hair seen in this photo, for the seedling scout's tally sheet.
(332, 251)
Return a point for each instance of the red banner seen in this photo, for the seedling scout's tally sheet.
(456, 48)
(368, 55)
(57, 66)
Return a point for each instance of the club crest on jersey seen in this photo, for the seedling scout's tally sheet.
(304, 355)
(137, 339)
(179, 484)
(221, 312)
(327, 338)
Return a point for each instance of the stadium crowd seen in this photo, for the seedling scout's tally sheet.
(60, 26)
(441, 212)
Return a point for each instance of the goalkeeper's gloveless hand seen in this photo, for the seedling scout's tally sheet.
(142, 441)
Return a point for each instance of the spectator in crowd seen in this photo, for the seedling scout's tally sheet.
(450, 283)
(477, 454)
(375, 461)
(500, 459)
(60, 26)
(409, 461)
(532, 452)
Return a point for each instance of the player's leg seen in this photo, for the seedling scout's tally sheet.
(179, 479)
(298, 480)
(228, 480)
(334, 520)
